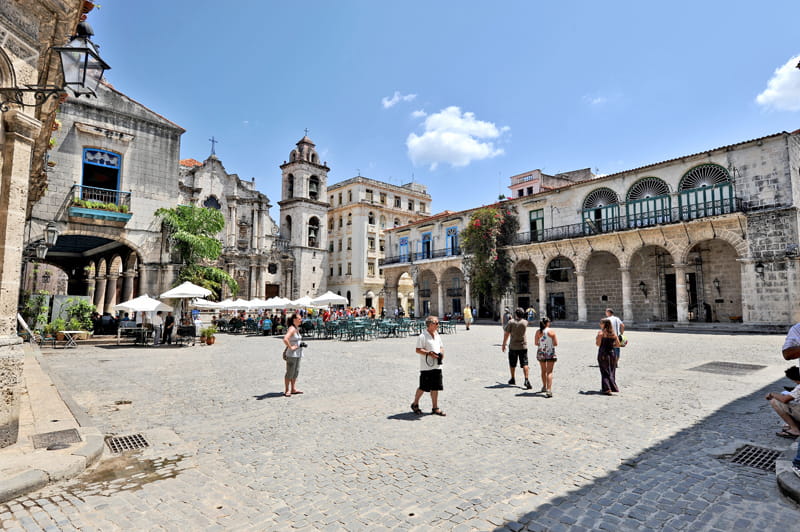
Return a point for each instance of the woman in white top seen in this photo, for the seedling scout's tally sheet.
(293, 341)
(546, 343)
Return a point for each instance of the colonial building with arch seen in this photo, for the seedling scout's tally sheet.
(707, 237)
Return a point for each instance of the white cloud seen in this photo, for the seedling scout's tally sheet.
(396, 98)
(455, 138)
(595, 100)
(783, 89)
(419, 113)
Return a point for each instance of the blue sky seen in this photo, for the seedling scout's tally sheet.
(458, 94)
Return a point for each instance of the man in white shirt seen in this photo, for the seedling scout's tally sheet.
(791, 346)
(158, 328)
(431, 352)
(787, 405)
(618, 326)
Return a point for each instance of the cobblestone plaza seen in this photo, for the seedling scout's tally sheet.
(229, 452)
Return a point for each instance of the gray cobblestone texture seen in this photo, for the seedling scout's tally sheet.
(229, 452)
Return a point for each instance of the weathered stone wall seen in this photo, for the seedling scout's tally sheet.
(10, 388)
(602, 278)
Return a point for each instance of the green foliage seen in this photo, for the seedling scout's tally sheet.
(99, 205)
(58, 324)
(207, 332)
(79, 314)
(489, 231)
(193, 232)
(36, 309)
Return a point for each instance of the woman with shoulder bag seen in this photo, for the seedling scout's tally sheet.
(293, 341)
(606, 340)
(546, 343)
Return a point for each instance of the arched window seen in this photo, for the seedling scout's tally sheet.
(101, 169)
(313, 232)
(371, 218)
(313, 187)
(705, 190)
(288, 232)
(601, 211)
(383, 221)
(290, 186)
(349, 218)
(396, 222)
(648, 203)
(212, 203)
(341, 222)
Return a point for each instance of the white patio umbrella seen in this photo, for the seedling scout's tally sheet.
(143, 303)
(257, 303)
(302, 302)
(276, 302)
(186, 290)
(329, 298)
(204, 304)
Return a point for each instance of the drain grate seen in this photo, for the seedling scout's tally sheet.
(118, 444)
(757, 457)
(728, 368)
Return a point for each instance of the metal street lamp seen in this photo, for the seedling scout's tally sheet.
(41, 251)
(50, 234)
(81, 67)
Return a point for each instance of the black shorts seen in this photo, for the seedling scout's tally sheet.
(430, 380)
(514, 354)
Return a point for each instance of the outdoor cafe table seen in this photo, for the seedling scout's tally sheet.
(139, 334)
(70, 338)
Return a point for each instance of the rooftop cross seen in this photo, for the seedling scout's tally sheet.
(213, 141)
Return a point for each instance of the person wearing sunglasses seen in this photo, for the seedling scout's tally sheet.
(431, 356)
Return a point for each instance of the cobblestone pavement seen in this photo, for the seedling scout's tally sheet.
(228, 451)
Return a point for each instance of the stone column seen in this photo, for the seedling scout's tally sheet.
(467, 293)
(20, 131)
(680, 293)
(111, 293)
(255, 229)
(627, 304)
(748, 277)
(144, 280)
(439, 298)
(542, 294)
(127, 285)
(580, 278)
(251, 289)
(232, 229)
(100, 293)
(262, 226)
(90, 288)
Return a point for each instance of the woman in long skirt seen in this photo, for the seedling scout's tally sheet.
(606, 341)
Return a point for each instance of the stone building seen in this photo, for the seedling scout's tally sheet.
(304, 216)
(361, 209)
(711, 236)
(115, 163)
(253, 252)
(28, 31)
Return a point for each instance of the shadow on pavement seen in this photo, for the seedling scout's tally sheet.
(685, 482)
(406, 416)
(267, 396)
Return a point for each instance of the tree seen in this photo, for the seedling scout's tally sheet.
(193, 233)
(487, 264)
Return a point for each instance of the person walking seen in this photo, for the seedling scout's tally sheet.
(169, 324)
(618, 327)
(431, 355)
(516, 329)
(506, 317)
(293, 341)
(158, 328)
(606, 340)
(546, 342)
(467, 316)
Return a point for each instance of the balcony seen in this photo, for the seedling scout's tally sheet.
(683, 213)
(424, 292)
(423, 255)
(100, 204)
(455, 292)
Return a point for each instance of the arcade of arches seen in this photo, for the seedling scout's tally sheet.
(690, 272)
(108, 271)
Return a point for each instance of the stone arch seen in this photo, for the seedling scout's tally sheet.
(454, 287)
(602, 283)
(735, 240)
(7, 76)
(427, 287)
(647, 187)
(313, 187)
(704, 175)
(562, 294)
(653, 284)
(313, 232)
(290, 186)
(405, 293)
(101, 267)
(713, 281)
(526, 284)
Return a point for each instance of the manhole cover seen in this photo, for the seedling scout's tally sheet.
(118, 444)
(728, 368)
(757, 457)
(46, 439)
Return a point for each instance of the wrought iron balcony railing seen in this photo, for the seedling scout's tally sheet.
(101, 197)
(424, 292)
(455, 292)
(423, 255)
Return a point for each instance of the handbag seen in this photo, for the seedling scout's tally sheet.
(623, 341)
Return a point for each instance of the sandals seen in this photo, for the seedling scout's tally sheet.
(786, 434)
(438, 412)
(416, 409)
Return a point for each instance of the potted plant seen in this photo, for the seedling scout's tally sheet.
(207, 334)
(58, 324)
